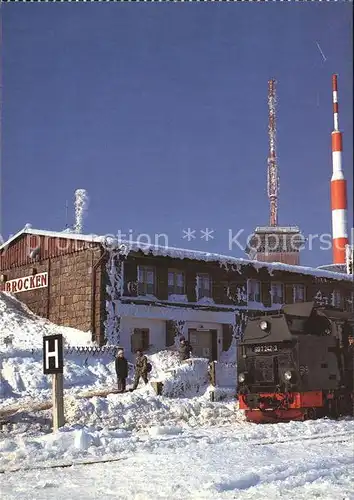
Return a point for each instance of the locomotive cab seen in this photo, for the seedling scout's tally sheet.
(290, 365)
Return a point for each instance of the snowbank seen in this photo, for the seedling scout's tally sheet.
(133, 411)
(142, 409)
(22, 329)
(22, 375)
(24, 386)
(189, 378)
(78, 443)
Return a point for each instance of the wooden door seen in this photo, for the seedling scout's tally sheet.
(202, 343)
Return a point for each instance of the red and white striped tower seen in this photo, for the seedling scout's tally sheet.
(338, 188)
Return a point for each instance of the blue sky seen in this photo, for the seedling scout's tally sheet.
(160, 112)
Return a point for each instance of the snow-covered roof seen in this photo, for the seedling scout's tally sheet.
(180, 253)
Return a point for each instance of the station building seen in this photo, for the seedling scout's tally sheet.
(142, 296)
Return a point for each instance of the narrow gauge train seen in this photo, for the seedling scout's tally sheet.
(297, 364)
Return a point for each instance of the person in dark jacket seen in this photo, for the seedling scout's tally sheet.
(121, 370)
(141, 369)
(184, 350)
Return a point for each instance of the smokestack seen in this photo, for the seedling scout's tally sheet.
(338, 188)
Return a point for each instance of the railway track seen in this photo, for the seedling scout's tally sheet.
(343, 437)
(329, 438)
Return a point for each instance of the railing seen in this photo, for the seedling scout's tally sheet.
(93, 351)
(84, 350)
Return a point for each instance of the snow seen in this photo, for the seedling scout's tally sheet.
(81, 206)
(177, 313)
(114, 292)
(177, 445)
(23, 329)
(175, 297)
(243, 461)
(180, 253)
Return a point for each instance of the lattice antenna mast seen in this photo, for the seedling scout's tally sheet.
(273, 178)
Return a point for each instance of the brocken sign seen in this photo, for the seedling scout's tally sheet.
(26, 284)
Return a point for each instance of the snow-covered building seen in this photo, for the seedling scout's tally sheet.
(138, 295)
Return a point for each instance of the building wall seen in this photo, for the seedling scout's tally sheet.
(18, 252)
(68, 300)
(72, 301)
(157, 331)
(226, 283)
(157, 320)
(37, 300)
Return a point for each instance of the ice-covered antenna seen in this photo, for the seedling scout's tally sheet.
(273, 179)
(66, 214)
(81, 205)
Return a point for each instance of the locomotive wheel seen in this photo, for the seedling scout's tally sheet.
(310, 414)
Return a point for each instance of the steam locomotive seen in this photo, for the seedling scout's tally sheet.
(297, 365)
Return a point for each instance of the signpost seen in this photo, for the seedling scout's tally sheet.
(53, 364)
(26, 284)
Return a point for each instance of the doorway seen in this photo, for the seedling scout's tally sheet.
(204, 343)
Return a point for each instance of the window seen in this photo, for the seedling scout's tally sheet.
(296, 325)
(203, 288)
(254, 291)
(349, 304)
(277, 292)
(299, 293)
(140, 339)
(146, 280)
(336, 298)
(175, 282)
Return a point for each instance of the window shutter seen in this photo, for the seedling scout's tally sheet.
(162, 282)
(218, 292)
(227, 331)
(289, 294)
(214, 345)
(130, 278)
(170, 333)
(136, 340)
(145, 338)
(191, 284)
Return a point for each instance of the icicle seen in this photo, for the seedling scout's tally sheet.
(114, 290)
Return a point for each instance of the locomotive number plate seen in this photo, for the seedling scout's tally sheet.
(265, 348)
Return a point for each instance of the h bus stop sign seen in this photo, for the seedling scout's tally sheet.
(53, 359)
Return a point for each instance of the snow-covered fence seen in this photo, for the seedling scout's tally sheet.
(92, 351)
(225, 374)
(85, 350)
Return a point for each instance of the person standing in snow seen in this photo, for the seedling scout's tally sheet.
(184, 350)
(141, 369)
(121, 370)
